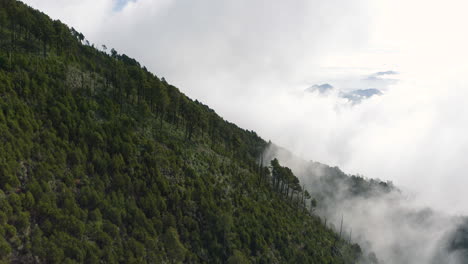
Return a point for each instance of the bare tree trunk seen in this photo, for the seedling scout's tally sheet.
(341, 226)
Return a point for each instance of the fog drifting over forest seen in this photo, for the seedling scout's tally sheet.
(378, 216)
(252, 60)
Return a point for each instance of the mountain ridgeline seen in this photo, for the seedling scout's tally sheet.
(101, 161)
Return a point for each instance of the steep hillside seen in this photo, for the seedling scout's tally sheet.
(103, 162)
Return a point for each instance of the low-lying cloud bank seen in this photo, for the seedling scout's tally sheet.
(378, 216)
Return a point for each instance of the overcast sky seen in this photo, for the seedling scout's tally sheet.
(252, 60)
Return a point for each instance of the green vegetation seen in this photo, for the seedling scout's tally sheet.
(326, 184)
(324, 181)
(103, 162)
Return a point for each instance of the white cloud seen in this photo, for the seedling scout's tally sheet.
(84, 15)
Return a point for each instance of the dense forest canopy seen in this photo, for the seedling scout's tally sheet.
(102, 161)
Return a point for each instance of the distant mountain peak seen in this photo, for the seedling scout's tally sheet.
(382, 75)
(386, 73)
(357, 96)
(321, 88)
(367, 92)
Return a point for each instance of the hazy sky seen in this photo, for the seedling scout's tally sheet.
(251, 61)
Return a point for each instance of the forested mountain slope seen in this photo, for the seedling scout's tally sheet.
(103, 162)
